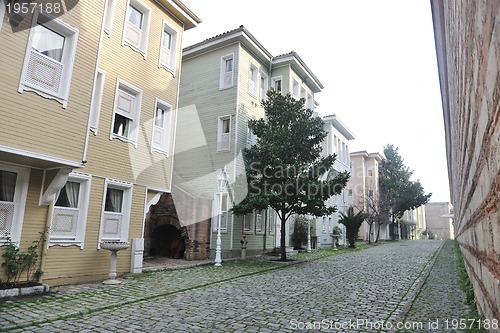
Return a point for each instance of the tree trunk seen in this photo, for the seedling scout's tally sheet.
(370, 233)
(283, 237)
(378, 232)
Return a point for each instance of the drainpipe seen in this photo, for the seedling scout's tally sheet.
(45, 242)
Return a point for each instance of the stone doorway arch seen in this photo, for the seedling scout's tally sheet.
(163, 234)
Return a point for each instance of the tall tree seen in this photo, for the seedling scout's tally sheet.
(397, 191)
(285, 169)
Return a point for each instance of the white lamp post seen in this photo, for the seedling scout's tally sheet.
(222, 183)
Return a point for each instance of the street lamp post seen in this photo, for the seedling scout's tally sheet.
(222, 183)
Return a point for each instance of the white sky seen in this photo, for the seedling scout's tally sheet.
(376, 60)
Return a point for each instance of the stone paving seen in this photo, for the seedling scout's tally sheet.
(365, 291)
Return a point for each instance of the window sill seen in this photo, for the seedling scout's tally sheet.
(39, 91)
(168, 69)
(61, 242)
(124, 139)
(135, 48)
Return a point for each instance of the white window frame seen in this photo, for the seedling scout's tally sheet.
(95, 104)
(140, 45)
(109, 17)
(125, 89)
(122, 235)
(248, 224)
(160, 140)
(221, 136)
(271, 222)
(310, 102)
(253, 80)
(170, 54)
(264, 85)
(2, 12)
(20, 196)
(226, 78)
(262, 223)
(83, 206)
(61, 70)
(225, 213)
(273, 83)
(295, 89)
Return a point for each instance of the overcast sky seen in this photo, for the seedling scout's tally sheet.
(376, 60)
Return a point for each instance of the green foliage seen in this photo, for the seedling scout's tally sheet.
(300, 226)
(17, 262)
(352, 222)
(397, 192)
(467, 288)
(285, 169)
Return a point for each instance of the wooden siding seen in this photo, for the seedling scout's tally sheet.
(125, 161)
(33, 123)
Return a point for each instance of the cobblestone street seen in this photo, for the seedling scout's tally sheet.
(370, 290)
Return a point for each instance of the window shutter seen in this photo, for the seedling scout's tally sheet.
(134, 35)
(159, 140)
(166, 57)
(6, 218)
(228, 79)
(112, 228)
(125, 104)
(64, 223)
(44, 73)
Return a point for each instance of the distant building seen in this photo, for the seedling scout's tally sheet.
(224, 79)
(336, 142)
(363, 190)
(438, 220)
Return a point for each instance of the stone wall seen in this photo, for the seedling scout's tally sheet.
(467, 35)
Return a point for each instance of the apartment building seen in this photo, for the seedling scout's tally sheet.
(363, 190)
(224, 79)
(336, 142)
(88, 113)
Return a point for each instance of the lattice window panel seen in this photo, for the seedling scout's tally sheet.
(112, 228)
(64, 223)
(44, 72)
(6, 218)
(134, 35)
(166, 57)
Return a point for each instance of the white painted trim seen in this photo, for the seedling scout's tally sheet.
(71, 40)
(42, 157)
(2, 12)
(147, 12)
(110, 5)
(96, 101)
(20, 195)
(126, 207)
(84, 199)
(168, 127)
(133, 137)
(175, 47)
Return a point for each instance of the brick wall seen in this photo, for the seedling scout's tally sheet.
(467, 35)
